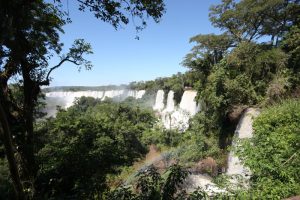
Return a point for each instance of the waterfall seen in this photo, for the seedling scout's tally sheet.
(68, 97)
(140, 94)
(171, 116)
(65, 99)
(235, 167)
(170, 102)
(178, 117)
(243, 130)
(113, 94)
(159, 101)
(188, 102)
(166, 114)
(137, 94)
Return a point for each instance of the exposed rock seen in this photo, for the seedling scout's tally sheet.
(153, 152)
(294, 198)
(235, 114)
(207, 165)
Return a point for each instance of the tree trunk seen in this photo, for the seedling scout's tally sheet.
(13, 168)
(30, 94)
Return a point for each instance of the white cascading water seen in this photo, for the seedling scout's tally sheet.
(178, 118)
(118, 94)
(139, 94)
(166, 114)
(172, 116)
(159, 100)
(243, 130)
(170, 102)
(188, 102)
(131, 93)
(66, 99)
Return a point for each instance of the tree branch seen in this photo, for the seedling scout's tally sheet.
(290, 158)
(256, 26)
(67, 59)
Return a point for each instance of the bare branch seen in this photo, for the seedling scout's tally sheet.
(290, 158)
(67, 59)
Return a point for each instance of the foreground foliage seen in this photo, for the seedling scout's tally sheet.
(87, 142)
(151, 185)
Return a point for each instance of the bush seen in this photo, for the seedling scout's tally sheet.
(85, 143)
(162, 137)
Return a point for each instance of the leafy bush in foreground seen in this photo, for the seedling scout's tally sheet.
(85, 143)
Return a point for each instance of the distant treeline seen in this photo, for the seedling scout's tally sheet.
(179, 80)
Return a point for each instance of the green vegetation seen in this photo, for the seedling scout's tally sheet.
(86, 143)
(6, 189)
(151, 185)
(250, 64)
(272, 155)
(254, 62)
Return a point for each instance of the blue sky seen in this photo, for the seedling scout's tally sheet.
(119, 58)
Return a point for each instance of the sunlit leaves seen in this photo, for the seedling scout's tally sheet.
(119, 13)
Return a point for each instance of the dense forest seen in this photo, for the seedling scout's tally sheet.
(98, 149)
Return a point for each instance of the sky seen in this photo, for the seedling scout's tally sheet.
(119, 58)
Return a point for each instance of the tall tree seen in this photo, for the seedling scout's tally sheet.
(251, 19)
(29, 37)
(244, 65)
